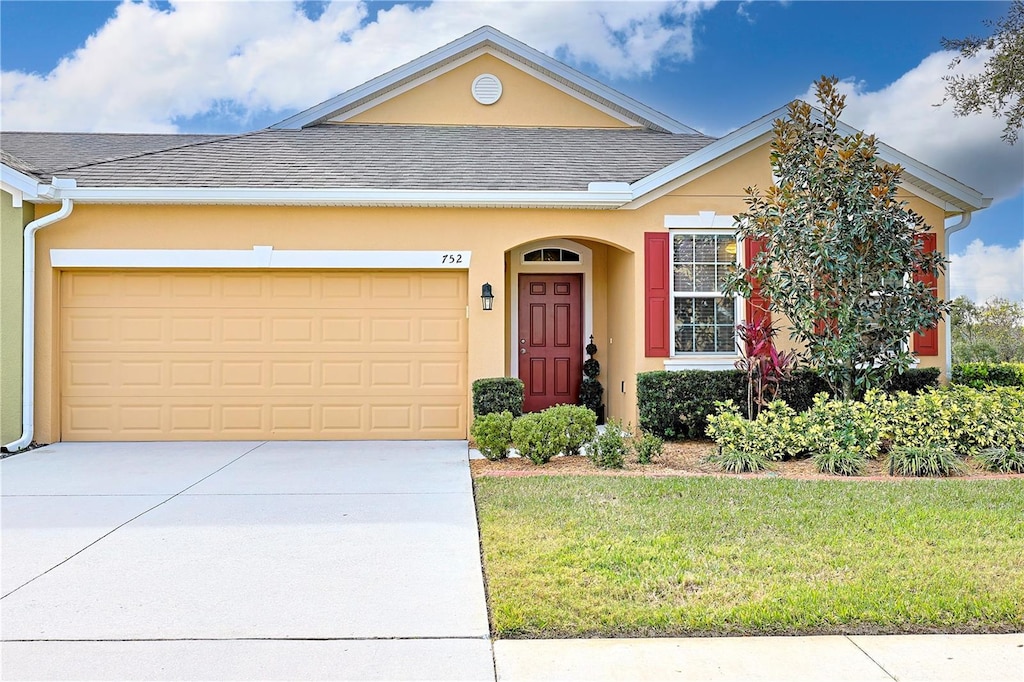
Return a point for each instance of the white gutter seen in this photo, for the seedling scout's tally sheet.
(965, 220)
(598, 195)
(28, 338)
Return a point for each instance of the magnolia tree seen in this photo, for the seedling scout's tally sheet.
(840, 250)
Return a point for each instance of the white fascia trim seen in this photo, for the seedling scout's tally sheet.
(260, 257)
(481, 36)
(712, 363)
(704, 219)
(14, 181)
(598, 198)
(971, 198)
(720, 147)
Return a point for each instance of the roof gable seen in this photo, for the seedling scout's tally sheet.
(918, 178)
(490, 41)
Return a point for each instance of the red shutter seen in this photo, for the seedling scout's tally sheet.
(926, 342)
(757, 305)
(658, 294)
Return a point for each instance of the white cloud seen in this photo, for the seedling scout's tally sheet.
(985, 271)
(147, 67)
(903, 114)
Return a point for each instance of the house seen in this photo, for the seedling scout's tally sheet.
(323, 278)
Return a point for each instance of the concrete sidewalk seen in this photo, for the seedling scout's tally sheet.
(907, 658)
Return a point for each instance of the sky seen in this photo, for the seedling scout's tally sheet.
(224, 67)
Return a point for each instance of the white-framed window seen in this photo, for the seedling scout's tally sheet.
(550, 254)
(703, 319)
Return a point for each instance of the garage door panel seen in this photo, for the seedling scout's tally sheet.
(194, 374)
(245, 355)
(255, 330)
(311, 290)
(242, 418)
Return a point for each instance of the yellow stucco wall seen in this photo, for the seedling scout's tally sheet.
(12, 220)
(525, 101)
(615, 237)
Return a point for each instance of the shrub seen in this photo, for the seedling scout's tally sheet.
(535, 439)
(839, 431)
(493, 434)
(1002, 460)
(738, 461)
(957, 418)
(801, 387)
(609, 451)
(647, 446)
(497, 394)
(840, 462)
(982, 374)
(914, 381)
(776, 433)
(677, 404)
(578, 425)
(924, 461)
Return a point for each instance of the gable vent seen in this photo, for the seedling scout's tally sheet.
(486, 89)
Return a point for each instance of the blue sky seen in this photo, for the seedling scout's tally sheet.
(224, 67)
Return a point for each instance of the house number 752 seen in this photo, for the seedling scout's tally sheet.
(451, 258)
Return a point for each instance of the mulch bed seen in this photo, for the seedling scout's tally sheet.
(687, 458)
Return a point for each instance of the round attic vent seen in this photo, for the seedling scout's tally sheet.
(486, 89)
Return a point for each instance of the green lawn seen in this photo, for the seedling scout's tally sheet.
(598, 556)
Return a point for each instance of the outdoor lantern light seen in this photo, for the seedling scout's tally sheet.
(487, 297)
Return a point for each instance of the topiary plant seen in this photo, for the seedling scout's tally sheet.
(591, 390)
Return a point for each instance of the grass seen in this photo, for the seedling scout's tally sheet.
(571, 556)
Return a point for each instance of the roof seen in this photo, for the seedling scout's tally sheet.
(919, 178)
(487, 40)
(13, 162)
(384, 156)
(45, 154)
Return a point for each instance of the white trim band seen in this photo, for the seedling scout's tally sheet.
(259, 257)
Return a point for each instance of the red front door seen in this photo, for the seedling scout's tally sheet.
(550, 339)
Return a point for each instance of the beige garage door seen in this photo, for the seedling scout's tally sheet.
(263, 355)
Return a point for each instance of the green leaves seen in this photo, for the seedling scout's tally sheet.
(840, 253)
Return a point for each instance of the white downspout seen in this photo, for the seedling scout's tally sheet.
(28, 347)
(965, 220)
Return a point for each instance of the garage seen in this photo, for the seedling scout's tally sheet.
(263, 355)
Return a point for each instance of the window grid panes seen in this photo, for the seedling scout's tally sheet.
(704, 321)
(551, 255)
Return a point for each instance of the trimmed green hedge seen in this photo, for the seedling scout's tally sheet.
(676, 405)
(981, 374)
(497, 394)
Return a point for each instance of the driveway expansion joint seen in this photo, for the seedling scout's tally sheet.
(871, 658)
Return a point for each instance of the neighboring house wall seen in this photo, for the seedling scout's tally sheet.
(525, 101)
(12, 220)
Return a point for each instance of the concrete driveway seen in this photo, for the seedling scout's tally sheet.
(277, 560)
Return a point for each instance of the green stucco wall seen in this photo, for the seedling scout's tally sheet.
(12, 220)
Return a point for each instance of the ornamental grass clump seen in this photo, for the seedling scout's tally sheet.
(1002, 460)
(924, 461)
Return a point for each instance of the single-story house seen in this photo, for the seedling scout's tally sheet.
(326, 277)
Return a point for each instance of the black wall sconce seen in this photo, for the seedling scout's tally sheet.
(487, 297)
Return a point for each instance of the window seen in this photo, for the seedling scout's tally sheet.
(551, 255)
(704, 321)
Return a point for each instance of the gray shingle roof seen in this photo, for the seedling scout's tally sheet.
(400, 157)
(44, 154)
(12, 161)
